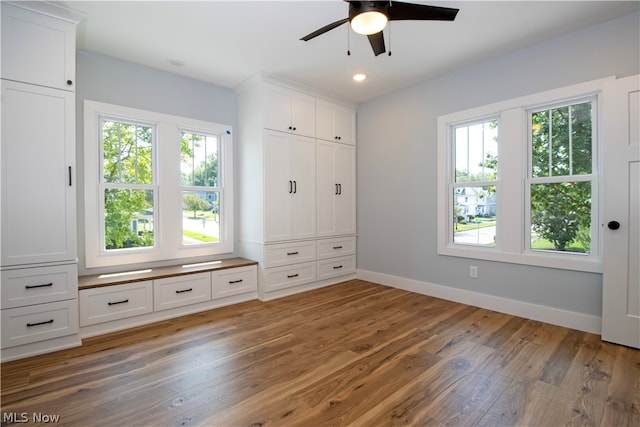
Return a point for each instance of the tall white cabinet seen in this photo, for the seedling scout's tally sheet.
(38, 260)
(297, 186)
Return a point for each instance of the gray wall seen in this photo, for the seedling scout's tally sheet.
(397, 167)
(106, 79)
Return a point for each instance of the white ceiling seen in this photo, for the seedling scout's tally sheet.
(225, 42)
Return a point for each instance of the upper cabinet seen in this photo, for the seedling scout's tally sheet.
(335, 123)
(37, 48)
(289, 111)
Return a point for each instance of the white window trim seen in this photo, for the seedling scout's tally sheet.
(168, 244)
(511, 246)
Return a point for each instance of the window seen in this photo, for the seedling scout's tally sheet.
(474, 184)
(561, 178)
(157, 187)
(518, 180)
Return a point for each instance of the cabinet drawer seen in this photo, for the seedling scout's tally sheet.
(27, 286)
(234, 281)
(289, 253)
(24, 325)
(335, 267)
(99, 305)
(331, 248)
(182, 290)
(289, 276)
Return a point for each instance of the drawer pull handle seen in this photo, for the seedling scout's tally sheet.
(46, 322)
(293, 253)
(44, 285)
(124, 301)
(337, 247)
(337, 267)
(291, 276)
(231, 282)
(181, 291)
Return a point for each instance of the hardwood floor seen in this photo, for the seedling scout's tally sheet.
(352, 354)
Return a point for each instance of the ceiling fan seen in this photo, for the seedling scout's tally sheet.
(370, 18)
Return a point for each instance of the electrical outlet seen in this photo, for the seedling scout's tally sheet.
(473, 272)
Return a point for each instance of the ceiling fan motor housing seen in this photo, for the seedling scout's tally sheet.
(358, 7)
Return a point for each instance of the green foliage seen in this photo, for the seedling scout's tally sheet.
(121, 208)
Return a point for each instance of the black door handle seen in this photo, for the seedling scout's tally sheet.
(613, 225)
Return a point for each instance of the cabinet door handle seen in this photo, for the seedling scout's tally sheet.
(291, 276)
(290, 187)
(124, 301)
(337, 267)
(295, 187)
(44, 285)
(337, 247)
(336, 193)
(70, 173)
(293, 253)
(46, 322)
(339, 189)
(181, 291)
(231, 282)
(69, 82)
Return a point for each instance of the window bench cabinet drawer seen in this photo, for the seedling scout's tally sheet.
(331, 248)
(289, 276)
(335, 267)
(234, 281)
(108, 303)
(27, 286)
(24, 325)
(289, 253)
(177, 291)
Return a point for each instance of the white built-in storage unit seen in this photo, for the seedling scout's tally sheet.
(297, 185)
(38, 260)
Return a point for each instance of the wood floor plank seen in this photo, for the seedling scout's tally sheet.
(356, 353)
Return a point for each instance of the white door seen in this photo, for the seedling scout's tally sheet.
(345, 207)
(38, 184)
(278, 185)
(621, 225)
(303, 197)
(327, 188)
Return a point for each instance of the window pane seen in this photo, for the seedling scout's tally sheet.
(199, 159)
(128, 218)
(561, 141)
(476, 152)
(127, 153)
(200, 217)
(474, 215)
(561, 217)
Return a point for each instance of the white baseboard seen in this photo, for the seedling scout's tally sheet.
(542, 313)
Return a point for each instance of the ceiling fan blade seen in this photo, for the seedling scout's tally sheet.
(399, 11)
(324, 29)
(377, 43)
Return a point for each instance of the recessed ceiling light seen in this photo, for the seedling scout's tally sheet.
(359, 77)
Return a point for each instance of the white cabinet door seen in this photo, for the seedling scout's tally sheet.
(38, 185)
(335, 189)
(289, 187)
(335, 123)
(289, 111)
(37, 48)
(303, 198)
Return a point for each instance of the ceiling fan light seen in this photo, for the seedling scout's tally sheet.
(367, 23)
